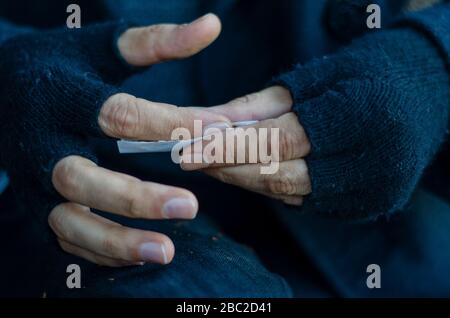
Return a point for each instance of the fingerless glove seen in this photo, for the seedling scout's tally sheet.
(376, 113)
(52, 86)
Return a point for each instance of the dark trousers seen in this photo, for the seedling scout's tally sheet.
(207, 264)
(240, 246)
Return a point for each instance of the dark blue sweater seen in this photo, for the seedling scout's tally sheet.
(343, 167)
(376, 112)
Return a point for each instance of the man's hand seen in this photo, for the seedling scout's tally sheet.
(372, 123)
(86, 185)
(272, 107)
(62, 89)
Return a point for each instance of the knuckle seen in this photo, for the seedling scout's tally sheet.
(121, 115)
(153, 30)
(136, 191)
(111, 245)
(180, 118)
(287, 143)
(247, 99)
(152, 40)
(181, 46)
(281, 183)
(293, 140)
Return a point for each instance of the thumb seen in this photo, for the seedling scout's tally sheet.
(149, 45)
(269, 103)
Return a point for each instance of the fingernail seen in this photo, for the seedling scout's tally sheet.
(179, 208)
(153, 252)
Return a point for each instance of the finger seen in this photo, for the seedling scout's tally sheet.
(93, 257)
(290, 178)
(77, 225)
(125, 116)
(79, 97)
(271, 102)
(148, 45)
(81, 181)
(280, 139)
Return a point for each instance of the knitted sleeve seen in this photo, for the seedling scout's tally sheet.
(52, 86)
(376, 113)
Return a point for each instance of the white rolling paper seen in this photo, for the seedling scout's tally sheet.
(128, 146)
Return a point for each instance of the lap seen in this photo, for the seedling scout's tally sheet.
(206, 264)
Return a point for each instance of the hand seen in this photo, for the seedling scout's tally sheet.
(272, 107)
(66, 92)
(375, 113)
